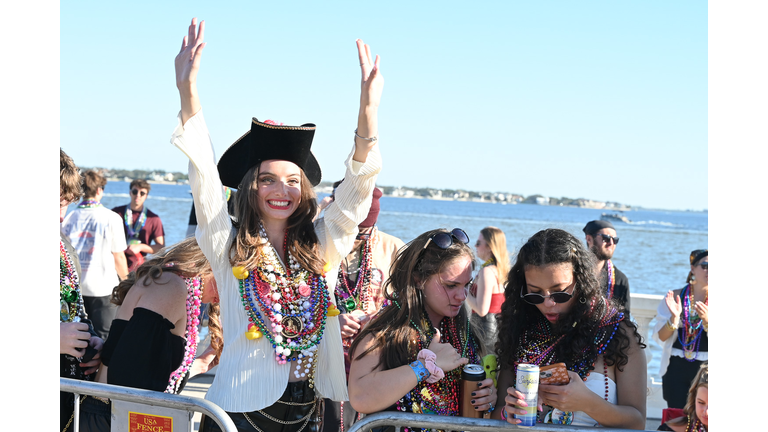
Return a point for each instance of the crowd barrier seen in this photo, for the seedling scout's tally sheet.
(448, 423)
(146, 410)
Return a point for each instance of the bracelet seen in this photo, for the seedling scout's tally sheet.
(421, 372)
(371, 139)
(706, 327)
(428, 358)
(504, 414)
(670, 325)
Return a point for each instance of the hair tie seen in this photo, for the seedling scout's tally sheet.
(428, 358)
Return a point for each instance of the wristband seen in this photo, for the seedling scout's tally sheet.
(428, 358)
(670, 325)
(421, 372)
(504, 414)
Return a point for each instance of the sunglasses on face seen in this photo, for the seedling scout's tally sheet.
(137, 192)
(608, 239)
(535, 298)
(444, 240)
(704, 266)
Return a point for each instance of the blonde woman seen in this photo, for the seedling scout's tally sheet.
(487, 293)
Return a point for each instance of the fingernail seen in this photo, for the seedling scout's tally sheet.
(472, 402)
(476, 408)
(480, 384)
(473, 394)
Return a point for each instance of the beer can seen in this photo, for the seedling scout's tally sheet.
(471, 374)
(527, 383)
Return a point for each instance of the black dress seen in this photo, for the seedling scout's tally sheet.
(141, 353)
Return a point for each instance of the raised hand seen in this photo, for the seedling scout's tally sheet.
(187, 66)
(448, 358)
(372, 80)
(703, 310)
(674, 305)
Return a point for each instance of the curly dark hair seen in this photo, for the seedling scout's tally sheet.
(552, 247)
(414, 265)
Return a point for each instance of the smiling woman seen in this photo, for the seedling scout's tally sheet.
(555, 312)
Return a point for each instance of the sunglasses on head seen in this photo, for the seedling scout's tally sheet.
(535, 298)
(608, 239)
(137, 192)
(444, 240)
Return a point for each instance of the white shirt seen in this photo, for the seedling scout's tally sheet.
(96, 233)
(248, 377)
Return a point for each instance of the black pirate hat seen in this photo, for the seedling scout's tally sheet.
(267, 141)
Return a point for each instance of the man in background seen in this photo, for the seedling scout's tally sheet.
(97, 235)
(602, 241)
(142, 226)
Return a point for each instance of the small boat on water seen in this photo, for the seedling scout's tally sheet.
(615, 217)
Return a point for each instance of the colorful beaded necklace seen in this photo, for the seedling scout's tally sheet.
(195, 288)
(89, 204)
(71, 301)
(287, 305)
(442, 397)
(690, 331)
(134, 230)
(489, 261)
(695, 426)
(611, 279)
(359, 297)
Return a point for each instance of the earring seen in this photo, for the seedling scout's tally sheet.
(582, 300)
(693, 279)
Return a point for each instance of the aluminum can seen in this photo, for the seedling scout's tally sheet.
(527, 383)
(471, 374)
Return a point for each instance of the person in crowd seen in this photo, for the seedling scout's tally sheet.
(696, 411)
(79, 345)
(487, 293)
(412, 352)
(143, 228)
(192, 225)
(682, 324)
(154, 337)
(360, 294)
(602, 241)
(276, 269)
(554, 311)
(98, 237)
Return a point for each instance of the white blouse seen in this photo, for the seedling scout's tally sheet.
(248, 377)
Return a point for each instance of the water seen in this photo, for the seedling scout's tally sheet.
(652, 252)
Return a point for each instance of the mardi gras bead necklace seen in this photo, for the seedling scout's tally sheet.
(89, 204)
(287, 305)
(690, 332)
(194, 300)
(441, 397)
(359, 297)
(611, 279)
(134, 230)
(695, 426)
(71, 300)
(489, 261)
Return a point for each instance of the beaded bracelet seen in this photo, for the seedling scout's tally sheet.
(371, 139)
(421, 372)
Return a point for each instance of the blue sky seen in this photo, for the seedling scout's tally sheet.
(600, 100)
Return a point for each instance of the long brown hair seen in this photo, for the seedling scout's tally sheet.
(414, 265)
(184, 259)
(497, 243)
(700, 380)
(303, 241)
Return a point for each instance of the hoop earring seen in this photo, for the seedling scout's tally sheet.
(582, 300)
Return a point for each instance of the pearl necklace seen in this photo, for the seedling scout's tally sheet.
(195, 288)
(71, 307)
(287, 305)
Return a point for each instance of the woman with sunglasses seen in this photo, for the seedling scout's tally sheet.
(487, 293)
(412, 352)
(554, 312)
(275, 268)
(682, 323)
(152, 343)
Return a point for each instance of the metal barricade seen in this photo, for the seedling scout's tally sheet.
(148, 399)
(449, 423)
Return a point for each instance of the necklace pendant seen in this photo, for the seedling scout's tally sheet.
(292, 327)
(64, 311)
(350, 304)
(690, 355)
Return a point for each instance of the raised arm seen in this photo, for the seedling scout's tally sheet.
(370, 97)
(187, 65)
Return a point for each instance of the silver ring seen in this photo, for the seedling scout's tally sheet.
(490, 405)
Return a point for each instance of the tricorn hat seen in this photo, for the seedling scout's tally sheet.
(267, 141)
